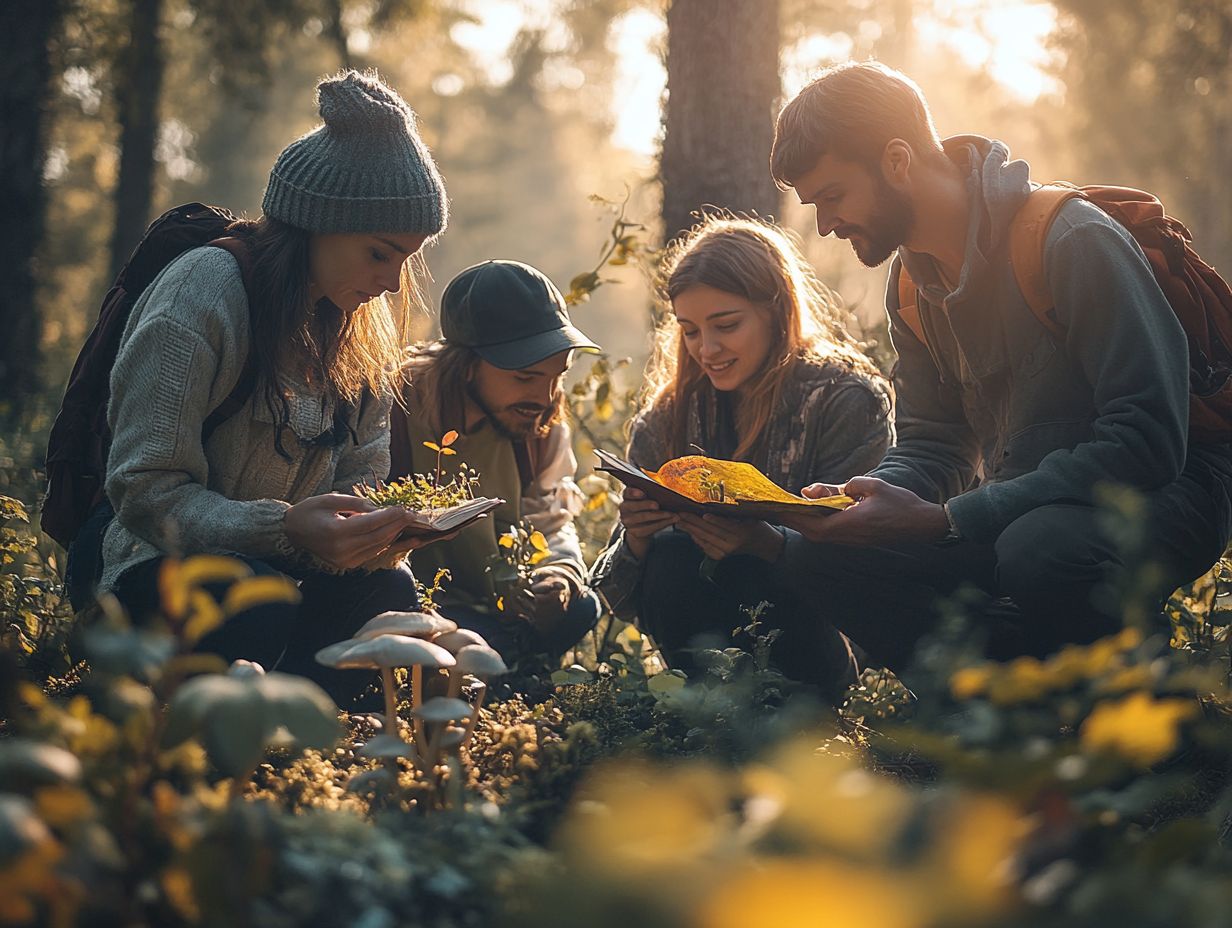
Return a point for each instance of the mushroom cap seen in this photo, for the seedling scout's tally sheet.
(459, 638)
(329, 654)
(452, 736)
(394, 651)
(385, 746)
(443, 709)
(481, 661)
(245, 669)
(411, 624)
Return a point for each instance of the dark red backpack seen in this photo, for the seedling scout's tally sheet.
(1199, 297)
(80, 439)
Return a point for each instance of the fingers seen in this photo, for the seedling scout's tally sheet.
(339, 502)
(819, 490)
(858, 487)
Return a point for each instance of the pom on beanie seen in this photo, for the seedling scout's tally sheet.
(365, 170)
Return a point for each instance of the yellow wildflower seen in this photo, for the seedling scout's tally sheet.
(1140, 728)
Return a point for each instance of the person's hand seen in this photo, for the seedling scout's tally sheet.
(345, 531)
(883, 514)
(552, 593)
(720, 537)
(642, 518)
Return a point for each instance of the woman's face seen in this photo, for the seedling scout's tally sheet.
(727, 335)
(350, 269)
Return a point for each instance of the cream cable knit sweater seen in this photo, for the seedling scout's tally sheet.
(180, 356)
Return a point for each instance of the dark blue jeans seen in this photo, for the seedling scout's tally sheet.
(286, 636)
(515, 639)
(684, 611)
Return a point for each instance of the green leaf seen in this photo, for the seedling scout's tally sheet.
(302, 707)
(236, 730)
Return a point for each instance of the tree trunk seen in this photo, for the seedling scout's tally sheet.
(722, 93)
(139, 77)
(26, 28)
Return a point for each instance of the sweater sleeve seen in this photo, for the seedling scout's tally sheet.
(177, 363)
(937, 453)
(850, 425)
(1120, 330)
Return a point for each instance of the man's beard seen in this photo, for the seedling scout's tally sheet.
(514, 429)
(889, 226)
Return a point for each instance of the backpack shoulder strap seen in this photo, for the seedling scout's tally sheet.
(909, 304)
(1028, 236)
(526, 467)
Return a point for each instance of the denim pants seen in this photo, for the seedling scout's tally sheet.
(515, 639)
(683, 611)
(286, 636)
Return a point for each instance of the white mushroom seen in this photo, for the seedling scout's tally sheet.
(443, 709)
(385, 652)
(459, 638)
(385, 746)
(477, 660)
(413, 624)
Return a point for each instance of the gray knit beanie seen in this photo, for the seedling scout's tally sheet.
(365, 170)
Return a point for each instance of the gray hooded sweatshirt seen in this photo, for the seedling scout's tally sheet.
(998, 416)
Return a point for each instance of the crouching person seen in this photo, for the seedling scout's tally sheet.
(495, 377)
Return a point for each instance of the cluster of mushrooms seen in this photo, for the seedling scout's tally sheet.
(420, 641)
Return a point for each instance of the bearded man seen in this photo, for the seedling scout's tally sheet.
(1007, 429)
(496, 377)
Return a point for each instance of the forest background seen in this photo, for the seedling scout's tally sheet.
(114, 110)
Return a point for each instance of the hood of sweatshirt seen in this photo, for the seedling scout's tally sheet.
(996, 188)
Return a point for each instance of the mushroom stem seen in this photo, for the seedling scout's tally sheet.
(470, 723)
(455, 683)
(416, 702)
(391, 705)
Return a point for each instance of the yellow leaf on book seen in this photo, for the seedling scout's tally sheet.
(709, 480)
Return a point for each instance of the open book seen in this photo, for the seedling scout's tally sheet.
(426, 523)
(728, 488)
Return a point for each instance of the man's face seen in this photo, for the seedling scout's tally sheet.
(515, 401)
(856, 203)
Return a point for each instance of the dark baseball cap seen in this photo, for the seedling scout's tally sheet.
(510, 314)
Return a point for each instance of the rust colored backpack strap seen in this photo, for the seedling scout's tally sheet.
(909, 304)
(1028, 236)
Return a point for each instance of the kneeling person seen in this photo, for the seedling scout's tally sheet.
(496, 377)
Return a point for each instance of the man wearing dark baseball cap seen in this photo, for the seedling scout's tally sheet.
(496, 377)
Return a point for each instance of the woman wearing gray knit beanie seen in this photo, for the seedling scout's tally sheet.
(291, 332)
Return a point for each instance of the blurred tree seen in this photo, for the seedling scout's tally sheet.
(1149, 86)
(138, 78)
(26, 30)
(722, 93)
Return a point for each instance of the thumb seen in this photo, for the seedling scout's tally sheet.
(859, 487)
(819, 490)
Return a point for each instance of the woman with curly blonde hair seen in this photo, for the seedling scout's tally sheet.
(753, 363)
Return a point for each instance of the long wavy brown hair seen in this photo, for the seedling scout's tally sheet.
(294, 337)
(762, 263)
(437, 374)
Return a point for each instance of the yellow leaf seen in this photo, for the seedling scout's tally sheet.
(172, 590)
(694, 476)
(500, 604)
(449, 438)
(969, 682)
(206, 616)
(60, 806)
(212, 568)
(506, 541)
(258, 591)
(537, 557)
(1140, 728)
(448, 451)
(432, 446)
(537, 539)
